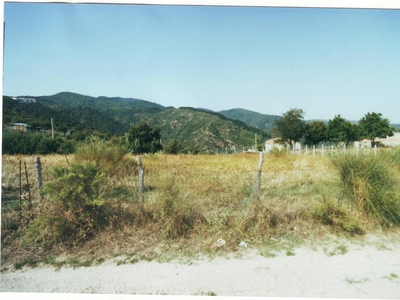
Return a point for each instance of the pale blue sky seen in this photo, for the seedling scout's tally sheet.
(269, 60)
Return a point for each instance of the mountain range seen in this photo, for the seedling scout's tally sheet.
(191, 127)
(114, 115)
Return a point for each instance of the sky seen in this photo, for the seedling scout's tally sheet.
(265, 59)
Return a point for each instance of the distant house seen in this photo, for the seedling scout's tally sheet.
(391, 141)
(21, 127)
(271, 144)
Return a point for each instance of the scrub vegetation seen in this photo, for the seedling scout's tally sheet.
(193, 204)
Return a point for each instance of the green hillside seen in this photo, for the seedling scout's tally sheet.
(196, 127)
(251, 118)
(191, 127)
(67, 117)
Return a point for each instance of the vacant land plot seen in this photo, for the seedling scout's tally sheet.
(193, 206)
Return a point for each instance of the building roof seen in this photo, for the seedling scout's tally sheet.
(21, 124)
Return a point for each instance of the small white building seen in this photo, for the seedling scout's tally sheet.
(392, 141)
(270, 144)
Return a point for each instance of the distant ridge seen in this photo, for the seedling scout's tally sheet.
(85, 115)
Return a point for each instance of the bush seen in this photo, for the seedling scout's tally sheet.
(370, 183)
(85, 198)
(109, 156)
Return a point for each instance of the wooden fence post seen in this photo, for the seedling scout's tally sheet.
(141, 180)
(29, 192)
(260, 163)
(20, 191)
(38, 168)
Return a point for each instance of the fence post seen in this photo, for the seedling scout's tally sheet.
(323, 152)
(141, 180)
(20, 191)
(29, 192)
(313, 150)
(260, 163)
(38, 168)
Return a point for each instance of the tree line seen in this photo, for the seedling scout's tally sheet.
(142, 138)
(292, 128)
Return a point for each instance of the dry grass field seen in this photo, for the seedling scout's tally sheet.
(193, 205)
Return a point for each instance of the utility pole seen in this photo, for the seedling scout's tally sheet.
(52, 128)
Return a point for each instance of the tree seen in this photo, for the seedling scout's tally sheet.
(144, 139)
(341, 130)
(173, 147)
(290, 128)
(315, 132)
(373, 126)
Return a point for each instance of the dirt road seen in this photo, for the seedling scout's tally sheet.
(364, 271)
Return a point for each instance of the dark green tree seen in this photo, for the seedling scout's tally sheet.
(340, 130)
(144, 139)
(173, 147)
(315, 132)
(290, 128)
(373, 126)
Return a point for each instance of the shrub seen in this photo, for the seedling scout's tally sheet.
(85, 197)
(109, 156)
(370, 184)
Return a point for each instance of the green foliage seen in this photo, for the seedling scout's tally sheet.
(16, 142)
(290, 128)
(330, 214)
(84, 197)
(173, 147)
(77, 187)
(373, 126)
(26, 262)
(371, 184)
(341, 130)
(144, 139)
(196, 128)
(315, 132)
(107, 155)
(261, 121)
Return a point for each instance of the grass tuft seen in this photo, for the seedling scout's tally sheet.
(370, 184)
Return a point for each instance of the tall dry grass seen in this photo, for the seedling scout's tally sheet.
(194, 201)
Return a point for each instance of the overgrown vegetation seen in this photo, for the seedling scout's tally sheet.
(371, 184)
(15, 142)
(193, 204)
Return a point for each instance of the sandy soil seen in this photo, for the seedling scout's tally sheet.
(369, 270)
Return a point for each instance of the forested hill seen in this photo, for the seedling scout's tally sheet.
(204, 129)
(251, 118)
(88, 115)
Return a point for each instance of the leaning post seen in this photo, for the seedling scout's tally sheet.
(39, 180)
(260, 163)
(141, 181)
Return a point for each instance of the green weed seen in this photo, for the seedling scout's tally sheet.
(26, 262)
